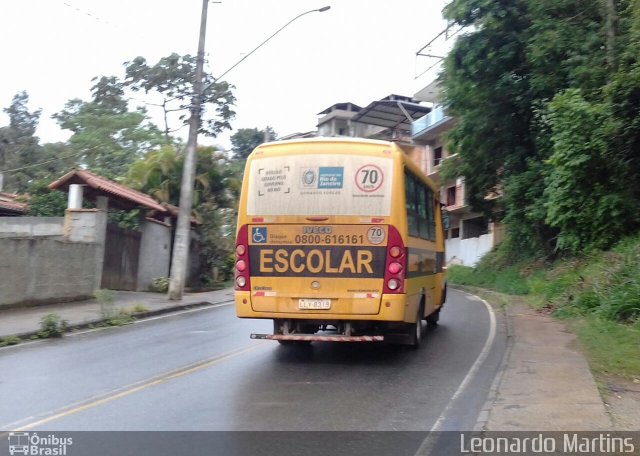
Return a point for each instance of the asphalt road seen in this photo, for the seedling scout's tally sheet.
(198, 370)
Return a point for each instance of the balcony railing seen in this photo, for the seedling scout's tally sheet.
(419, 126)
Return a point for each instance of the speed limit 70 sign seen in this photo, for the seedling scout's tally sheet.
(369, 178)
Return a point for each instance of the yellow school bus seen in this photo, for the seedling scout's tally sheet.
(339, 239)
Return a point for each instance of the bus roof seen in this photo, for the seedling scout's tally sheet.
(333, 139)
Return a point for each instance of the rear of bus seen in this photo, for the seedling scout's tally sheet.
(320, 247)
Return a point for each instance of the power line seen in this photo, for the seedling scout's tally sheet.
(99, 19)
(33, 165)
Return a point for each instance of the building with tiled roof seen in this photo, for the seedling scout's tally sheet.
(9, 207)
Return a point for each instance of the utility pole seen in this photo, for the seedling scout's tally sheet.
(180, 258)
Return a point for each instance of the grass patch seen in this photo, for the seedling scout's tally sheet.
(139, 308)
(112, 316)
(605, 285)
(118, 317)
(613, 348)
(508, 280)
(9, 340)
(599, 292)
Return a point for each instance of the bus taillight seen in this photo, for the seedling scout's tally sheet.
(242, 282)
(394, 272)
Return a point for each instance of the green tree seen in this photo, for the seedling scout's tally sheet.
(19, 147)
(246, 139)
(487, 89)
(159, 173)
(171, 79)
(57, 159)
(623, 93)
(587, 197)
(501, 81)
(42, 202)
(216, 191)
(107, 137)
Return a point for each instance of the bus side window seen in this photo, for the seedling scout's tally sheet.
(410, 197)
(431, 219)
(423, 215)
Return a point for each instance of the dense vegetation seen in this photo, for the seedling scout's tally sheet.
(546, 94)
(599, 292)
(604, 284)
(547, 98)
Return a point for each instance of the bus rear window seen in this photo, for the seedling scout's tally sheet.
(320, 184)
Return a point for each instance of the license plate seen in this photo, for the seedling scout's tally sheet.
(315, 304)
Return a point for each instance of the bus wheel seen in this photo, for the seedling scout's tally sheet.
(415, 337)
(432, 320)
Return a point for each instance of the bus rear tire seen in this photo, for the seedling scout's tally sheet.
(432, 320)
(415, 337)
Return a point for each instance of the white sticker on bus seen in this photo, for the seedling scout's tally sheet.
(316, 184)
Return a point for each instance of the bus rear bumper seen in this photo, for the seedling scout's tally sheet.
(319, 337)
(392, 308)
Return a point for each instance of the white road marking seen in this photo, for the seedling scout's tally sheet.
(474, 368)
(427, 446)
(95, 401)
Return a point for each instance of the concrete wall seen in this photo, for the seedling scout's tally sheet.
(81, 225)
(31, 226)
(155, 252)
(89, 225)
(42, 269)
(47, 259)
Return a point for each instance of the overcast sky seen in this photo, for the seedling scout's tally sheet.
(358, 51)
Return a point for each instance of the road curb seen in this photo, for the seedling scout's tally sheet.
(28, 336)
(494, 391)
(485, 412)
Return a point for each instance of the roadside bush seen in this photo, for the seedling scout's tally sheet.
(9, 340)
(159, 285)
(607, 287)
(605, 284)
(51, 325)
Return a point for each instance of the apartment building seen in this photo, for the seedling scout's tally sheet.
(419, 123)
(470, 235)
(389, 118)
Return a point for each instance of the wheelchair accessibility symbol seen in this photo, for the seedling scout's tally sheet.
(259, 235)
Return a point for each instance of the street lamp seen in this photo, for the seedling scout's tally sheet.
(181, 242)
(319, 10)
